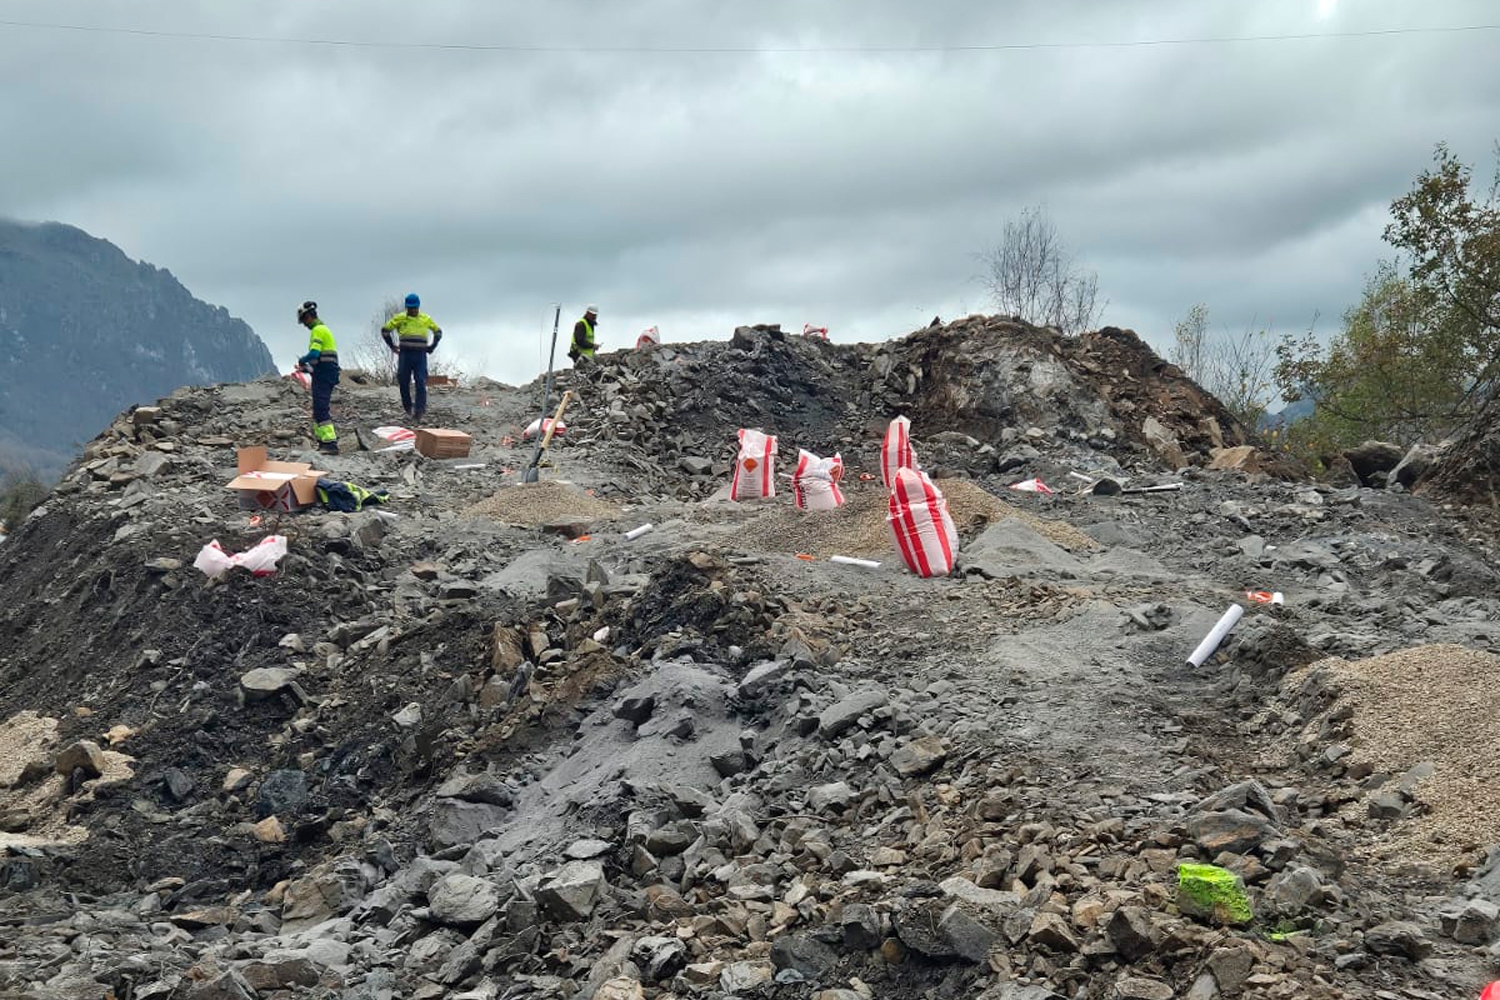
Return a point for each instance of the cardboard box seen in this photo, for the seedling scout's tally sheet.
(266, 485)
(441, 380)
(434, 442)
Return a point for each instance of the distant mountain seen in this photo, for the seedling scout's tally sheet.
(85, 332)
(1289, 414)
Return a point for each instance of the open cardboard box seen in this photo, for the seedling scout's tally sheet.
(266, 485)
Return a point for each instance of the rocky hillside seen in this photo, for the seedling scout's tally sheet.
(478, 744)
(86, 332)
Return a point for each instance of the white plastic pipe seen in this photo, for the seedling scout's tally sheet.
(1216, 635)
(635, 533)
(851, 561)
(471, 465)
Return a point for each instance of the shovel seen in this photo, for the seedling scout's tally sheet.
(532, 474)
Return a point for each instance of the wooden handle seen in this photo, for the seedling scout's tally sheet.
(556, 418)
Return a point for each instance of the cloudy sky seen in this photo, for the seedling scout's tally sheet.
(696, 164)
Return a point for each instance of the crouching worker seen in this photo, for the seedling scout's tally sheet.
(321, 362)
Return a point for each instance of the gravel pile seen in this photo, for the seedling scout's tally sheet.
(861, 528)
(1433, 703)
(27, 738)
(534, 504)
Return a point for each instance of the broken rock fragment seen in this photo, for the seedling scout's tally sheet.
(806, 954)
(571, 892)
(920, 756)
(1232, 830)
(462, 900)
(267, 682)
(1214, 894)
(837, 718)
(84, 756)
(1398, 937)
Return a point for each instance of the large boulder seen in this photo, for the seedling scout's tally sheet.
(1416, 463)
(1373, 459)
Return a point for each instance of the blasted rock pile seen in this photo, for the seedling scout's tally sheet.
(491, 748)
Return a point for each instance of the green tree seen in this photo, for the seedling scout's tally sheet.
(1418, 357)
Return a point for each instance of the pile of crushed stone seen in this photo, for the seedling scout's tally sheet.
(28, 738)
(1431, 703)
(534, 504)
(860, 528)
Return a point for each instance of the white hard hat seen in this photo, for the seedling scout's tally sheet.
(592, 309)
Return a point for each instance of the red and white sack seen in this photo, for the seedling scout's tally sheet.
(754, 469)
(392, 435)
(896, 452)
(817, 332)
(649, 337)
(539, 426)
(924, 530)
(815, 483)
(301, 378)
(260, 559)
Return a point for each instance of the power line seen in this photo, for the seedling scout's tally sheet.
(741, 50)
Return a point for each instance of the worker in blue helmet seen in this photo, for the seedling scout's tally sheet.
(406, 334)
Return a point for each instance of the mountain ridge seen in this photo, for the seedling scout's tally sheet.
(94, 331)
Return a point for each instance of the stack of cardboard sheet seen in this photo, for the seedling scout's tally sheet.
(434, 442)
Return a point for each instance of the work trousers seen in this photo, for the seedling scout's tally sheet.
(322, 400)
(412, 364)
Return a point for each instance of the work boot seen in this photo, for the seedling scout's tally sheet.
(329, 447)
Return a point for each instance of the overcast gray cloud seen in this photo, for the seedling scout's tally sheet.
(697, 190)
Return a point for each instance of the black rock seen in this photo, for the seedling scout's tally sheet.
(861, 927)
(1398, 937)
(1131, 933)
(636, 710)
(282, 793)
(804, 953)
(178, 785)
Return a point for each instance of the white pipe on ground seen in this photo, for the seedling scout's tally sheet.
(851, 561)
(1216, 635)
(635, 533)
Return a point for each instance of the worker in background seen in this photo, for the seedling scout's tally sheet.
(584, 343)
(322, 363)
(406, 335)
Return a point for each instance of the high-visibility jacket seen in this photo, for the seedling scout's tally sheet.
(583, 337)
(412, 330)
(321, 348)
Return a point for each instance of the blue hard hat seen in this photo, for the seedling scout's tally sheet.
(413, 300)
